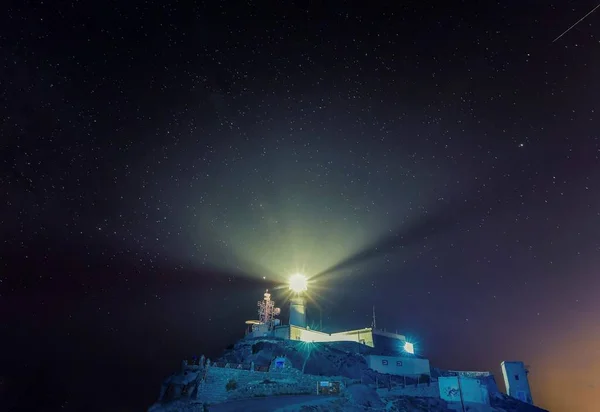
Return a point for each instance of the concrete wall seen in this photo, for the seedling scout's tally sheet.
(398, 365)
(363, 336)
(468, 390)
(422, 390)
(260, 330)
(386, 343)
(383, 342)
(449, 390)
(390, 335)
(473, 391)
(307, 335)
(295, 333)
(516, 381)
(252, 384)
(282, 332)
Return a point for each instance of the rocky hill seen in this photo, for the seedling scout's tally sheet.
(283, 375)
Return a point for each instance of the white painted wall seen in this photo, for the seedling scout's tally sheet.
(398, 365)
(259, 330)
(516, 381)
(449, 390)
(282, 332)
(307, 335)
(471, 390)
(364, 336)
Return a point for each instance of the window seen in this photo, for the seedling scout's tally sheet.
(516, 377)
(384, 362)
(399, 363)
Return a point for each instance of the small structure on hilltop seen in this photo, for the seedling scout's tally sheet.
(399, 365)
(516, 381)
(469, 389)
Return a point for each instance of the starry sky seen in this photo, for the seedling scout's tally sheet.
(162, 163)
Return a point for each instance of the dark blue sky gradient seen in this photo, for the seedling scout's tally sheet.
(162, 164)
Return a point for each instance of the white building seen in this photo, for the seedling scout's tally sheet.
(515, 379)
(382, 342)
(399, 365)
(468, 391)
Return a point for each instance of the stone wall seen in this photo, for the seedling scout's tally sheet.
(249, 384)
(422, 390)
(213, 382)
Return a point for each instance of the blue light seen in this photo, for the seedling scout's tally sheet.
(409, 348)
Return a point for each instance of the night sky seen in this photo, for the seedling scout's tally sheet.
(162, 163)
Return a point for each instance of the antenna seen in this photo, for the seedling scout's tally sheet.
(374, 323)
(267, 310)
(321, 320)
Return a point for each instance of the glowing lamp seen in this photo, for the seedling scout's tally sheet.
(409, 347)
(298, 283)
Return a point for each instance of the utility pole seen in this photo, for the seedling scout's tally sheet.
(462, 404)
(374, 323)
(321, 317)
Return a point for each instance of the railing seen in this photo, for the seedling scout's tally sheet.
(240, 366)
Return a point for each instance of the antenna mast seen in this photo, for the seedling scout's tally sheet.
(267, 310)
(321, 319)
(374, 323)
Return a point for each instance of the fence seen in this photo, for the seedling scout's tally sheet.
(202, 364)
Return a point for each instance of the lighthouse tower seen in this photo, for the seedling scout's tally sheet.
(298, 285)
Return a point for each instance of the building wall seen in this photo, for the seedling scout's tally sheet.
(468, 390)
(474, 391)
(384, 343)
(364, 336)
(449, 389)
(388, 343)
(298, 312)
(398, 365)
(390, 335)
(296, 332)
(423, 390)
(252, 383)
(307, 335)
(259, 330)
(516, 381)
(282, 332)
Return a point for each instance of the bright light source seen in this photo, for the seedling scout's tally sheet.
(298, 283)
(409, 347)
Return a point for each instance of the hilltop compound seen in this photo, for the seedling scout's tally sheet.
(357, 370)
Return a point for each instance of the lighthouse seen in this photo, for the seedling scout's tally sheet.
(298, 285)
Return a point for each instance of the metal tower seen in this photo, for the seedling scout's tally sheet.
(374, 322)
(267, 310)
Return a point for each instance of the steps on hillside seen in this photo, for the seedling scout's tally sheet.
(213, 389)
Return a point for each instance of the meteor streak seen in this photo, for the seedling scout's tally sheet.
(576, 23)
